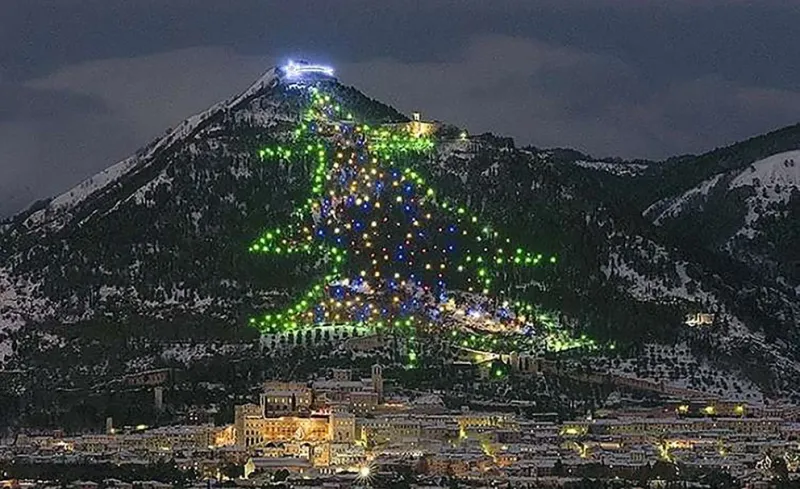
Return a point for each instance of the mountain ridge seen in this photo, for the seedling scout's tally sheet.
(158, 241)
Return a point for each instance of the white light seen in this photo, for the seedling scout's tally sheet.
(297, 70)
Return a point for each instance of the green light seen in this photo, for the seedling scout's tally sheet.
(387, 145)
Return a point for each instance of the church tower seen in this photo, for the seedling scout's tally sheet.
(377, 381)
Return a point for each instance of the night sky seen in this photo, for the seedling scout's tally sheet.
(85, 83)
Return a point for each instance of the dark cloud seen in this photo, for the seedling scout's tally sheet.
(87, 117)
(44, 135)
(19, 102)
(556, 96)
(753, 42)
(84, 82)
(45, 156)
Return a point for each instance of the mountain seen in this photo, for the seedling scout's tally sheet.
(747, 205)
(747, 219)
(161, 237)
(146, 265)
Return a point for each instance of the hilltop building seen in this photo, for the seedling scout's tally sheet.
(416, 126)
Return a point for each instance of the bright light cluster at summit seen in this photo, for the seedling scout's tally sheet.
(298, 69)
(398, 256)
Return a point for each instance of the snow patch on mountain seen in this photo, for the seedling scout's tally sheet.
(619, 169)
(268, 79)
(188, 353)
(79, 193)
(56, 214)
(18, 305)
(779, 169)
(453, 156)
(141, 196)
(9, 320)
(630, 261)
(773, 180)
(673, 207)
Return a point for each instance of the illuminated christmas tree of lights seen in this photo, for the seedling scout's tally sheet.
(397, 256)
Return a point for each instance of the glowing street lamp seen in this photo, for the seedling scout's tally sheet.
(365, 474)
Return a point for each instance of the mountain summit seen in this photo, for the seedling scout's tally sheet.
(108, 277)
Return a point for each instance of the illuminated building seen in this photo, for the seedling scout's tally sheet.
(281, 398)
(346, 454)
(175, 437)
(253, 429)
(484, 422)
(269, 464)
(407, 428)
(416, 127)
(342, 428)
(260, 430)
(386, 429)
(361, 396)
(419, 128)
(700, 319)
(363, 402)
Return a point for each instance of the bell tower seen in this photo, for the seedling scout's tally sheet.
(377, 381)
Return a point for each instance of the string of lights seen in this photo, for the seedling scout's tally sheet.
(397, 255)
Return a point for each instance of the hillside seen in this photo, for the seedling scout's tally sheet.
(747, 220)
(148, 261)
